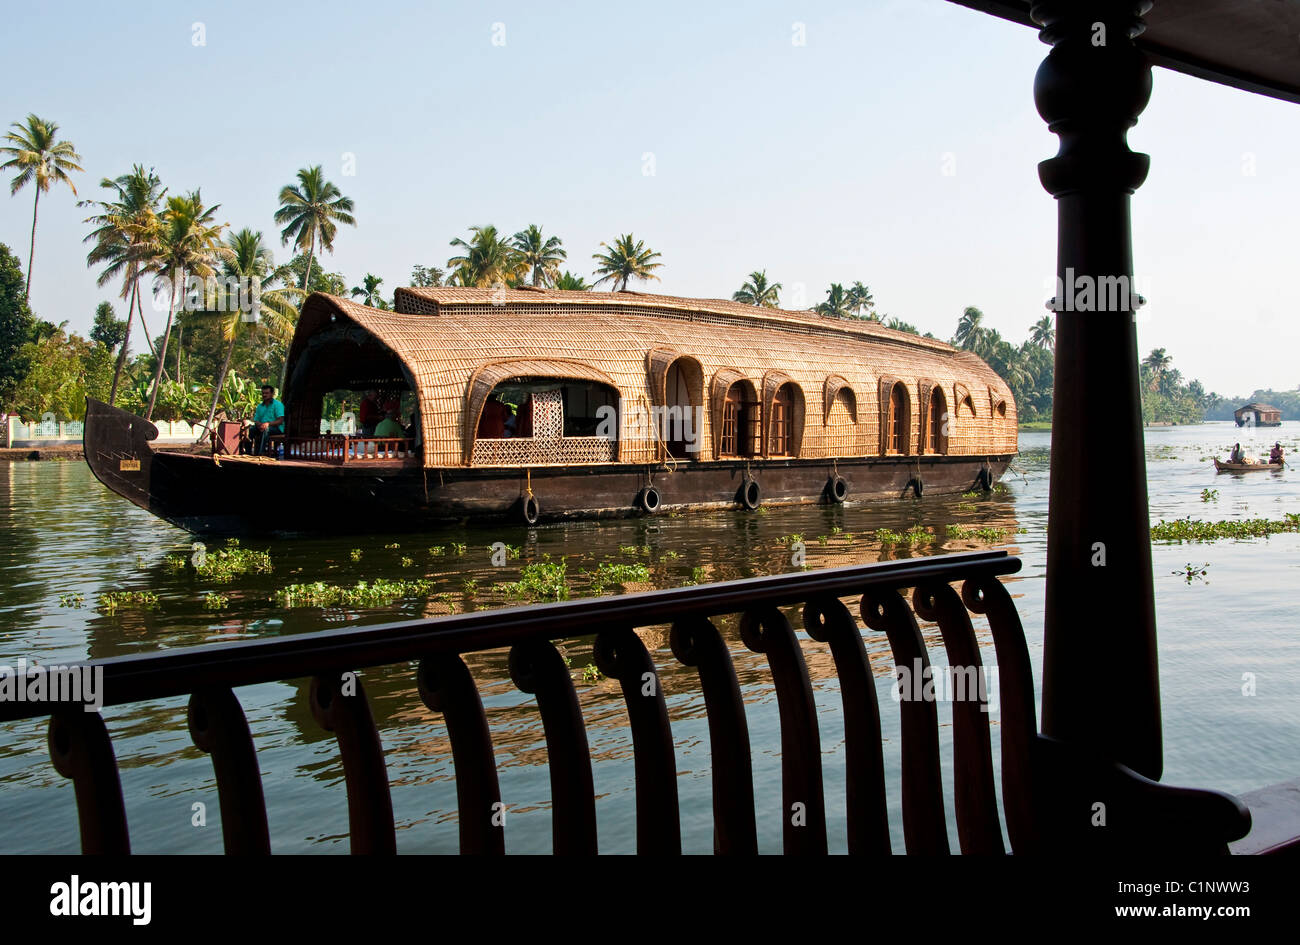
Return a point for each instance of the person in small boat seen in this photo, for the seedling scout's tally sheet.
(390, 426)
(1236, 456)
(368, 414)
(1275, 455)
(268, 421)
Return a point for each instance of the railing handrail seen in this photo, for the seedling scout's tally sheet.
(141, 677)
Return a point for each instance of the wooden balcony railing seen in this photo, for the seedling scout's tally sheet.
(1049, 791)
(341, 449)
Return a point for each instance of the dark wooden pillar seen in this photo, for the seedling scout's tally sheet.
(1100, 681)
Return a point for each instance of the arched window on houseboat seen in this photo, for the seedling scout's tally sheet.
(899, 435)
(937, 426)
(677, 395)
(785, 404)
(541, 419)
(741, 421)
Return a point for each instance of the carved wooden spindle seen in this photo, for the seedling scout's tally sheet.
(218, 726)
(924, 827)
(621, 655)
(339, 705)
(82, 751)
(975, 799)
(827, 620)
(695, 641)
(1018, 726)
(537, 668)
(767, 631)
(447, 687)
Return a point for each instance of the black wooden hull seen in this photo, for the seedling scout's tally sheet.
(239, 496)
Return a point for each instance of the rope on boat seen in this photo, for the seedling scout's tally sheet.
(529, 487)
(669, 460)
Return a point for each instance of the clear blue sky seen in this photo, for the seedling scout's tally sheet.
(819, 162)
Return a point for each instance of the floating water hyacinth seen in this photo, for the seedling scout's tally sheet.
(913, 536)
(111, 601)
(224, 564)
(1184, 529)
(988, 533)
(608, 573)
(542, 580)
(362, 594)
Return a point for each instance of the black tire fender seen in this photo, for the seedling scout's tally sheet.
(649, 501)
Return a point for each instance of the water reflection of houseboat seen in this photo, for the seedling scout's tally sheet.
(636, 403)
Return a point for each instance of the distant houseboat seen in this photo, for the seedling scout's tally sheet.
(1258, 415)
(536, 404)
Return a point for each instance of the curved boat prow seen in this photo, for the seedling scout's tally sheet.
(117, 450)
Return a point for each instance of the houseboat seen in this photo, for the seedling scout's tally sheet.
(534, 404)
(1258, 415)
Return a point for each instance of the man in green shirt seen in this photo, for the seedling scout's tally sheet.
(390, 426)
(268, 421)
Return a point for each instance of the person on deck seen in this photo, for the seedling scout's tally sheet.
(390, 426)
(492, 422)
(368, 414)
(1275, 454)
(268, 421)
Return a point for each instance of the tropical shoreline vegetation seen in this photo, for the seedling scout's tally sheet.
(231, 309)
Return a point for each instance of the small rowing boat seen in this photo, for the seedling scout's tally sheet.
(1244, 467)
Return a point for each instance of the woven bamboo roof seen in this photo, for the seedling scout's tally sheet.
(448, 338)
(434, 300)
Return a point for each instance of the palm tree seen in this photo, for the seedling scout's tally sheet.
(369, 291)
(859, 298)
(1156, 364)
(626, 260)
(36, 154)
(758, 291)
(568, 281)
(968, 329)
(836, 304)
(488, 259)
(540, 254)
(124, 225)
(988, 343)
(188, 242)
(311, 213)
(249, 262)
(1043, 334)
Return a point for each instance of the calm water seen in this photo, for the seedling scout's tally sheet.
(62, 533)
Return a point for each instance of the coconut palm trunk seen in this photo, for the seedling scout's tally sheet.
(139, 304)
(162, 354)
(126, 340)
(31, 255)
(216, 391)
(284, 369)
